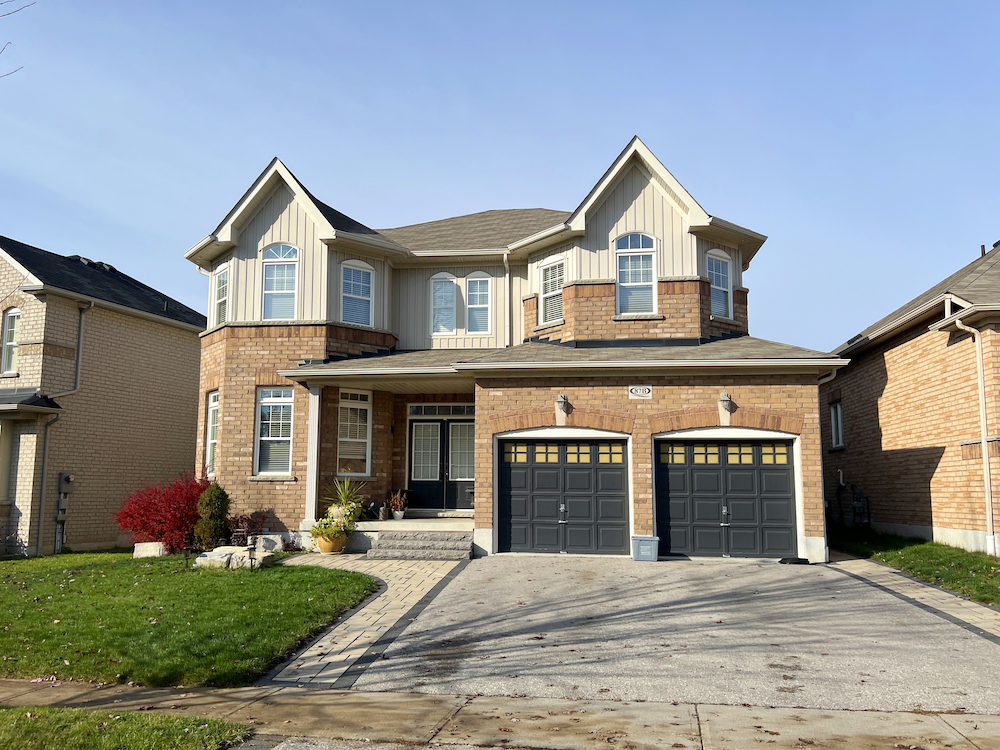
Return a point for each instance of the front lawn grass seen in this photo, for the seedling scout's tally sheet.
(30, 728)
(109, 618)
(975, 574)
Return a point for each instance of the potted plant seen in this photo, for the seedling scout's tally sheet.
(397, 504)
(332, 530)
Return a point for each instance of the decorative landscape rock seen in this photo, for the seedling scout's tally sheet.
(271, 542)
(218, 557)
(149, 549)
(243, 560)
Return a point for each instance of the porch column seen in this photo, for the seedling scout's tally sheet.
(312, 457)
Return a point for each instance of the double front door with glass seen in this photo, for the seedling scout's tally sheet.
(442, 463)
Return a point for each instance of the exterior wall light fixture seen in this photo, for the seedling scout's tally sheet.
(562, 403)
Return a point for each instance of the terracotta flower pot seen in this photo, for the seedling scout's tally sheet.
(331, 545)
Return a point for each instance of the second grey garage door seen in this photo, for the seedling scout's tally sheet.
(563, 496)
(725, 498)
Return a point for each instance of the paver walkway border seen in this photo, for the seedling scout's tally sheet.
(338, 656)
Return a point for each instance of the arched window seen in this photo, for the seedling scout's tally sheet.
(719, 266)
(477, 303)
(356, 292)
(11, 326)
(280, 282)
(636, 285)
(444, 295)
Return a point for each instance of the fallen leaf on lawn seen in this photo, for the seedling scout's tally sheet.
(505, 729)
(148, 707)
(56, 621)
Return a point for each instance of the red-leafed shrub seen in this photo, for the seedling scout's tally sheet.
(163, 514)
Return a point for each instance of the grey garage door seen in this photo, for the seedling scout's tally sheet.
(725, 498)
(567, 496)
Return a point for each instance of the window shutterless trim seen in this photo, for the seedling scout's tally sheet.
(836, 425)
(368, 406)
(220, 278)
(290, 260)
(357, 265)
(11, 327)
(285, 398)
(477, 278)
(651, 284)
(212, 433)
(544, 296)
(439, 279)
(720, 256)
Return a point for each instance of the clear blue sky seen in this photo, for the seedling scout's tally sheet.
(861, 137)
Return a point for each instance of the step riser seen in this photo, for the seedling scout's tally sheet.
(411, 554)
(426, 536)
(409, 544)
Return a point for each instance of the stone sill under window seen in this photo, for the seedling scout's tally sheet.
(273, 478)
(543, 326)
(354, 478)
(723, 319)
(10, 374)
(638, 316)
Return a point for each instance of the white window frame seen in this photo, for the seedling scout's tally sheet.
(217, 277)
(469, 307)
(543, 296)
(358, 265)
(273, 401)
(212, 433)
(436, 279)
(837, 424)
(367, 405)
(722, 256)
(651, 252)
(294, 262)
(11, 329)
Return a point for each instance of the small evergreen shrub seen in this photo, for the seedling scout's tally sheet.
(213, 524)
(166, 513)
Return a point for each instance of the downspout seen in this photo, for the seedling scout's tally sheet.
(991, 548)
(509, 335)
(79, 356)
(41, 487)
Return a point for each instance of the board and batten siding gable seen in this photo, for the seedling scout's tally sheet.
(281, 219)
(412, 308)
(382, 297)
(520, 287)
(635, 204)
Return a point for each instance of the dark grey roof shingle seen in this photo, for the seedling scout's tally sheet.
(98, 280)
(486, 230)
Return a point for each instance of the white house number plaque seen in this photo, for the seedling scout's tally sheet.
(640, 391)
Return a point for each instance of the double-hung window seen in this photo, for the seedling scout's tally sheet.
(274, 431)
(836, 425)
(477, 304)
(551, 305)
(443, 296)
(280, 275)
(211, 432)
(356, 294)
(354, 433)
(635, 274)
(11, 326)
(721, 280)
(221, 307)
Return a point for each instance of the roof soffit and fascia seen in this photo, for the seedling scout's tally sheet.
(39, 289)
(226, 235)
(915, 316)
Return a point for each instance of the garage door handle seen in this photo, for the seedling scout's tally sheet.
(564, 522)
(724, 524)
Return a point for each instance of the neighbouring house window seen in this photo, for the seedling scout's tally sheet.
(354, 434)
(280, 273)
(553, 278)
(274, 431)
(443, 304)
(837, 424)
(477, 305)
(212, 432)
(356, 294)
(635, 274)
(721, 281)
(11, 325)
(221, 295)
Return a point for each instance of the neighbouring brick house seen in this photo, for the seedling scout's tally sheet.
(553, 381)
(98, 382)
(906, 421)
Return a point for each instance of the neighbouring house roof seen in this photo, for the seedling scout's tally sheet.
(95, 280)
(486, 230)
(977, 284)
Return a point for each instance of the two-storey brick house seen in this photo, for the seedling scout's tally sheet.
(98, 397)
(562, 379)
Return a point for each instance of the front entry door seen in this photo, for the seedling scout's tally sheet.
(442, 464)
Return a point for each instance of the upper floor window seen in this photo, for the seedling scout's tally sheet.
(635, 274)
(552, 279)
(212, 432)
(221, 292)
(477, 304)
(443, 298)
(11, 326)
(280, 274)
(718, 264)
(836, 425)
(356, 293)
(274, 430)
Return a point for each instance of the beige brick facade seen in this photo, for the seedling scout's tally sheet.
(911, 425)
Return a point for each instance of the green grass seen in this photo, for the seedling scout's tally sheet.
(974, 574)
(30, 728)
(109, 618)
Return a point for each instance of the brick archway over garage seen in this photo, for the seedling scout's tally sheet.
(597, 419)
(708, 416)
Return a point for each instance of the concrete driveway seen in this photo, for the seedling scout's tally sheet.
(698, 631)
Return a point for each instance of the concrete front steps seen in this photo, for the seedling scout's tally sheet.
(421, 545)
